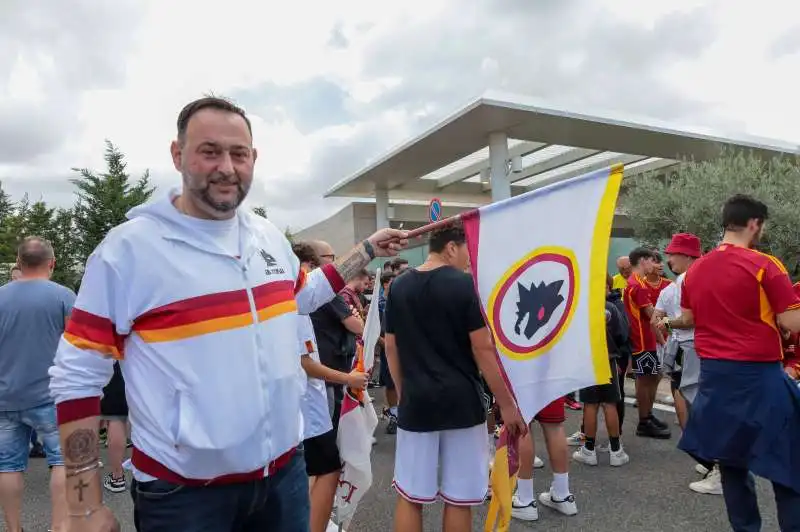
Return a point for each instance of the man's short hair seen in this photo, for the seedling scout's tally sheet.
(305, 252)
(34, 252)
(740, 209)
(450, 233)
(657, 257)
(397, 262)
(362, 273)
(208, 102)
(639, 254)
(387, 277)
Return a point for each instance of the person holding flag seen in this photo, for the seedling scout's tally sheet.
(323, 462)
(438, 346)
(543, 292)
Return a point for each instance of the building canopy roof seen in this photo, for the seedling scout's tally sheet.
(451, 160)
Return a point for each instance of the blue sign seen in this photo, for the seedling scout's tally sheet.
(435, 210)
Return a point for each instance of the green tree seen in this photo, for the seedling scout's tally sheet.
(261, 211)
(690, 199)
(104, 199)
(7, 236)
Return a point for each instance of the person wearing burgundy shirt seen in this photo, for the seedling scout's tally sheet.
(746, 415)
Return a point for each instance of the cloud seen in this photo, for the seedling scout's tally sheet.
(49, 54)
(310, 104)
(788, 43)
(331, 86)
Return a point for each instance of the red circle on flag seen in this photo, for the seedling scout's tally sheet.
(544, 298)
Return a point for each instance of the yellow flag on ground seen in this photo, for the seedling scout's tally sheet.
(504, 478)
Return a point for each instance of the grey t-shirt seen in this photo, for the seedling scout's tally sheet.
(32, 318)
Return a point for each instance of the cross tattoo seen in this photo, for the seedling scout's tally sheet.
(80, 487)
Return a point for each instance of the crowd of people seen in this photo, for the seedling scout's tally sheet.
(219, 353)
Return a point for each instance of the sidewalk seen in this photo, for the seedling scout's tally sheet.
(664, 400)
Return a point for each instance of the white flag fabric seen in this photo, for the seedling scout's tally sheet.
(539, 261)
(372, 328)
(357, 423)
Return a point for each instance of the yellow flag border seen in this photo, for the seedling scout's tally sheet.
(601, 240)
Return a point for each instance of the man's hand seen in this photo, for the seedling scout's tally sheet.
(513, 422)
(792, 372)
(102, 520)
(661, 326)
(388, 242)
(357, 380)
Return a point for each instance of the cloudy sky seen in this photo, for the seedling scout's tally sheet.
(332, 85)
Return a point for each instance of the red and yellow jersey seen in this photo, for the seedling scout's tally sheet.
(638, 296)
(735, 294)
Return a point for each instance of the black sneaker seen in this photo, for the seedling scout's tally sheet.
(114, 484)
(648, 429)
(658, 423)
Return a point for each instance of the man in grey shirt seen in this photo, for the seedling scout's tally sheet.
(33, 314)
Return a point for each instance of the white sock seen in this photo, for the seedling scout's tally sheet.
(560, 487)
(525, 491)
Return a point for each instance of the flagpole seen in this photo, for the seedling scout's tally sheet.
(427, 228)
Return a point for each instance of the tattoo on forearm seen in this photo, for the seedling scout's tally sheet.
(81, 448)
(79, 488)
(355, 261)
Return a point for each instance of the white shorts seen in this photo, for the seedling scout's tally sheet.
(462, 455)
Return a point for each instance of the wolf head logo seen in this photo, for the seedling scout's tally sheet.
(269, 260)
(538, 303)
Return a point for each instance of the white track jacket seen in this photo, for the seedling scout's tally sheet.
(207, 344)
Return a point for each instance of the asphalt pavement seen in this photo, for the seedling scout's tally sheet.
(650, 493)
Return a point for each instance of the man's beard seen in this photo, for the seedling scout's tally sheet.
(204, 193)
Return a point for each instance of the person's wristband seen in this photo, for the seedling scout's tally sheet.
(369, 249)
(86, 514)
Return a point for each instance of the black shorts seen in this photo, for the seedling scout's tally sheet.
(385, 375)
(114, 404)
(675, 376)
(603, 393)
(646, 363)
(322, 454)
(488, 396)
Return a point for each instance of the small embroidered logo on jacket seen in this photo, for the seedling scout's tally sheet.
(272, 267)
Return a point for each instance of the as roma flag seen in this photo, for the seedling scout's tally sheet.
(539, 261)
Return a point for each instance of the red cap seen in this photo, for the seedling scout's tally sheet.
(684, 244)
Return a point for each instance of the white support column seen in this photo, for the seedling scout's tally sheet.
(498, 163)
(381, 207)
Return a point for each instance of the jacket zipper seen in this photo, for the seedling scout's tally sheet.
(256, 339)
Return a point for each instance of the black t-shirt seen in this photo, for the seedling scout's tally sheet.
(331, 334)
(431, 314)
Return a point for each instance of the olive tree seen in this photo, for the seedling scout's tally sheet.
(690, 199)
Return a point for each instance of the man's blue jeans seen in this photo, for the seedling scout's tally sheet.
(278, 503)
(738, 487)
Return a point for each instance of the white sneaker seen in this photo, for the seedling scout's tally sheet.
(332, 527)
(701, 469)
(522, 512)
(585, 456)
(537, 463)
(566, 507)
(618, 458)
(711, 485)
(576, 439)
